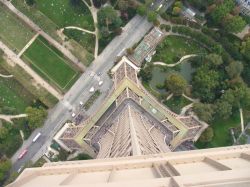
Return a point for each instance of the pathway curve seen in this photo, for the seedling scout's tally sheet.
(6, 76)
(9, 118)
(185, 108)
(94, 11)
(190, 99)
(80, 29)
(175, 64)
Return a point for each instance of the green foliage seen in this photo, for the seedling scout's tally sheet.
(204, 111)
(36, 116)
(30, 2)
(146, 73)
(5, 165)
(222, 11)
(234, 69)
(142, 10)
(3, 132)
(205, 81)
(207, 135)
(223, 109)
(245, 48)
(176, 84)
(234, 24)
(152, 16)
(108, 17)
(214, 60)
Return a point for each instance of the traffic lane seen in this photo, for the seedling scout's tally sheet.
(33, 147)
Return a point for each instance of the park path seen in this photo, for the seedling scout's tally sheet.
(28, 44)
(241, 120)
(37, 29)
(6, 76)
(185, 108)
(175, 64)
(190, 99)
(9, 118)
(94, 11)
(80, 29)
(14, 58)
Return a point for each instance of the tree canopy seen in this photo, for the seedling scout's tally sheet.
(5, 165)
(36, 116)
(176, 84)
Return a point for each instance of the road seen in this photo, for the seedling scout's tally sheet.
(132, 33)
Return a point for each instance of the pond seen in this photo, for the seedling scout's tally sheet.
(160, 74)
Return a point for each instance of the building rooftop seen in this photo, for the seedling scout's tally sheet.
(217, 167)
(130, 122)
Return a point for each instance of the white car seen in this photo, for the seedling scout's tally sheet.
(92, 89)
(81, 103)
(20, 169)
(73, 115)
(100, 83)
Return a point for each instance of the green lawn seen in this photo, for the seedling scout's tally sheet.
(13, 32)
(86, 40)
(50, 64)
(172, 48)
(176, 103)
(62, 13)
(222, 135)
(14, 98)
(12, 142)
(51, 18)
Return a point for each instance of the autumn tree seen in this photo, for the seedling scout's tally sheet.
(36, 116)
(207, 135)
(176, 84)
(204, 111)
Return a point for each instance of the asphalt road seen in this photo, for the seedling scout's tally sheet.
(132, 33)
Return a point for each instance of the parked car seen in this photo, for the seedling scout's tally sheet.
(22, 154)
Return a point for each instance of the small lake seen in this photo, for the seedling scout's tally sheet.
(160, 75)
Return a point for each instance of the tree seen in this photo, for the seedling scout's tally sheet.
(75, 3)
(207, 135)
(108, 16)
(142, 10)
(36, 116)
(130, 51)
(205, 82)
(5, 165)
(3, 132)
(30, 2)
(152, 16)
(245, 48)
(214, 59)
(146, 73)
(176, 84)
(234, 24)
(222, 10)
(234, 69)
(223, 109)
(176, 11)
(123, 5)
(204, 111)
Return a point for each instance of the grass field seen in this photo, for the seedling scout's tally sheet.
(14, 98)
(86, 40)
(174, 47)
(50, 64)
(63, 13)
(51, 22)
(13, 32)
(222, 135)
